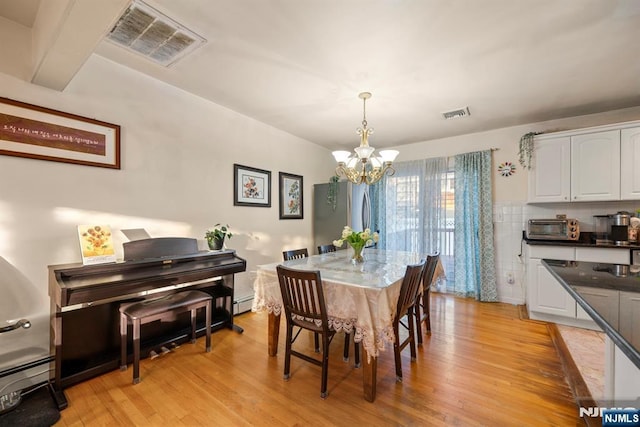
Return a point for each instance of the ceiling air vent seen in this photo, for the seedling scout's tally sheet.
(147, 32)
(461, 112)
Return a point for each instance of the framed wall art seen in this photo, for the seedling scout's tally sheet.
(290, 196)
(96, 244)
(41, 133)
(251, 186)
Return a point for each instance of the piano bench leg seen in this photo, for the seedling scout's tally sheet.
(136, 351)
(193, 325)
(208, 327)
(123, 342)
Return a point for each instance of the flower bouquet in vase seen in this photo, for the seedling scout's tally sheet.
(357, 241)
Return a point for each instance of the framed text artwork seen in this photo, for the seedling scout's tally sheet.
(290, 196)
(41, 133)
(251, 186)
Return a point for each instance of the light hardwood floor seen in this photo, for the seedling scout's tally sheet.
(482, 365)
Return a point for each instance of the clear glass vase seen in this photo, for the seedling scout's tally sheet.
(357, 255)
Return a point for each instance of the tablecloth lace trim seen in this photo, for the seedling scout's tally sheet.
(372, 342)
(270, 306)
(342, 325)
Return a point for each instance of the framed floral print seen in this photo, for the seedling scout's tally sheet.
(251, 186)
(290, 196)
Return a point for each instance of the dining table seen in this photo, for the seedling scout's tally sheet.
(361, 299)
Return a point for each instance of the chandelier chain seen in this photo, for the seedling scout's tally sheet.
(364, 113)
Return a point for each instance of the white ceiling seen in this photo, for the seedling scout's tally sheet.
(299, 65)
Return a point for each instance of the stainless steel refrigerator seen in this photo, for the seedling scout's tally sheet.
(351, 207)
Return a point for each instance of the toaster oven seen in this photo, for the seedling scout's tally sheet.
(553, 229)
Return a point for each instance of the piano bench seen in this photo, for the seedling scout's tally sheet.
(151, 310)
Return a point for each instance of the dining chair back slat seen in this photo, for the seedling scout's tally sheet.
(303, 296)
(325, 249)
(423, 308)
(410, 286)
(295, 254)
(407, 302)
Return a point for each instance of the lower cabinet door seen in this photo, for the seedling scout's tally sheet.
(604, 301)
(547, 295)
(581, 314)
(630, 317)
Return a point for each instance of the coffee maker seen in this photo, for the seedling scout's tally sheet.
(620, 228)
(612, 229)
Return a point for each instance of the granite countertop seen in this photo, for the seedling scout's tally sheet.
(586, 240)
(578, 277)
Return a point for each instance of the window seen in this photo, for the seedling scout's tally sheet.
(415, 210)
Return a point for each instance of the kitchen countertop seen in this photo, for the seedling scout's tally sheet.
(584, 241)
(575, 276)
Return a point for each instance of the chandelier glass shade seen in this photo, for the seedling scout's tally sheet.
(362, 166)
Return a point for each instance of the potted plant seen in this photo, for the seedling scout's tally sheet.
(215, 236)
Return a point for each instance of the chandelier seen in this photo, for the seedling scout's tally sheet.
(363, 167)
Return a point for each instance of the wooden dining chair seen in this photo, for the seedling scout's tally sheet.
(423, 309)
(305, 308)
(407, 307)
(295, 254)
(325, 249)
(303, 253)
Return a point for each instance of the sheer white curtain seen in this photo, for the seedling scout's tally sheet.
(408, 207)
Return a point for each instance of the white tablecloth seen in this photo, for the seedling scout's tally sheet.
(361, 297)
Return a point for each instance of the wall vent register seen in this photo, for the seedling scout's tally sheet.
(454, 114)
(148, 32)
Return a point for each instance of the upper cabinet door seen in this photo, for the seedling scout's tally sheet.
(630, 164)
(549, 180)
(595, 166)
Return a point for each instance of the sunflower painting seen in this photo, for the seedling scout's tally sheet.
(96, 244)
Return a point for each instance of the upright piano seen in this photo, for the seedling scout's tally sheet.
(85, 337)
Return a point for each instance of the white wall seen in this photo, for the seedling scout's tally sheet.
(176, 178)
(15, 49)
(510, 193)
(178, 152)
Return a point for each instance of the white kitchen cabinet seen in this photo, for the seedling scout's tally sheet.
(630, 163)
(581, 314)
(608, 255)
(601, 163)
(621, 376)
(595, 166)
(547, 299)
(546, 294)
(630, 317)
(605, 301)
(549, 181)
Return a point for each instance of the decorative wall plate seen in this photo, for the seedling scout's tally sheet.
(507, 169)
